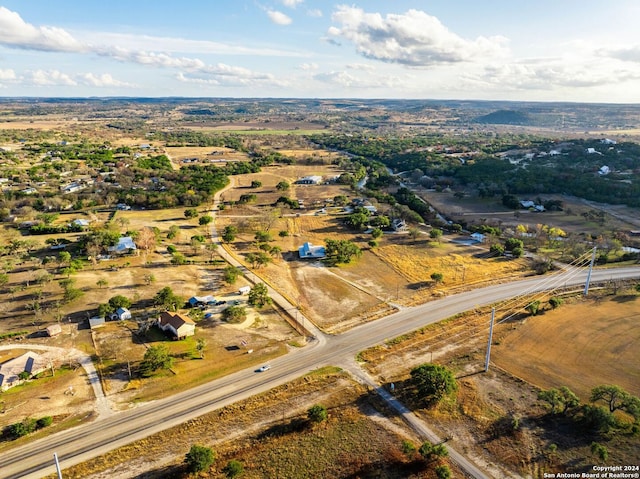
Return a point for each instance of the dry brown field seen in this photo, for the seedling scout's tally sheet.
(478, 210)
(582, 345)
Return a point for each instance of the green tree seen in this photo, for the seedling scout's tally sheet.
(433, 382)
(229, 233)
(435, 234)
(155, 358)
(231, 274)
(234, 314)
(119, 301)
(432, 451)
(199, 458)
(256, 184)
(233, 469)
(533, 307)
(283, 186)
(167, 299)
(201, 344)
(205, 220)
(555, 302)
(102, 283)
(341, 251)
(443, 471)
(437, 277)
(259, 296)
(44, 422)
(149, 278)
(376, 233)
(317, 413)
(613, 396)
(600, 451)
(190, 213)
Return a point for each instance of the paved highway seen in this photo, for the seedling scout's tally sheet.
(34, 460)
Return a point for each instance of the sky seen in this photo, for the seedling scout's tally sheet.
(522, 50)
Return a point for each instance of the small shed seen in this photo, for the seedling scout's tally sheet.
(54, 330)
(120, 314)
(308, 250)
(96, 322)
(244, 290)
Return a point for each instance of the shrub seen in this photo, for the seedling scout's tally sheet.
(199, 458)
(233, 469)
(44, 422)
(317, 413)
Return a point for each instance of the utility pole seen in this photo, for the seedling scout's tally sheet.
(593, 259)
(486, 361)
(55, 458)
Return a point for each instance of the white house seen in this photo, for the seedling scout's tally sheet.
(176, 324)
(120, 314)
(604, 170)
(308, 250)
(10, 371)
(479, 237)
(125, 245)
(310, 180)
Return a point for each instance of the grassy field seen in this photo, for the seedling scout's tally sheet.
(270, 435)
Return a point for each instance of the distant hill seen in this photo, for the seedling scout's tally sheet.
(507, 117)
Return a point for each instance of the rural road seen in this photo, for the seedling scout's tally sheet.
(34, 460)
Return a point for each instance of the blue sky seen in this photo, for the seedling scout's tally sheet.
(541, 50)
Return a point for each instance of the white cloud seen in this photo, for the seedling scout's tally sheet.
(226, 75)
(292, 3)
(279, 18)
(49, 78)
(314, 12)
(628, 54)
(12, 26)
(413, 39)
(361, 66)
(15, 32)
(347, 80)
(550, 74)
(103, 81)
(7, 75)
(309, 66)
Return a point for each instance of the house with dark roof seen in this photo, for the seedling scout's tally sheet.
(177, 325)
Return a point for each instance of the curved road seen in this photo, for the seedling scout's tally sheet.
(35, 459)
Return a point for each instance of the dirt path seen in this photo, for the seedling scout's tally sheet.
(103, 407)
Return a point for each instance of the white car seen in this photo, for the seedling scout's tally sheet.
(264, 368)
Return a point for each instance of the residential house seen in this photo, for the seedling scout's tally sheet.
(398, 224)
(11, 370)
(82, 223)
(479, 237)
(120, 314)
(125, 245)
(176, 324)
(308, 250)
(310, 180)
